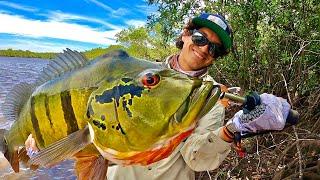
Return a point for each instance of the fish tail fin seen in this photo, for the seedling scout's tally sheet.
(9, 153)
(3, 144)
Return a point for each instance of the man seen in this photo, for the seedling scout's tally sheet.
(203, 40)
(206, 38)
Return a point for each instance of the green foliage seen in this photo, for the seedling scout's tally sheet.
(26, 54)
(274, 39)
(146, 43)
(173, 15)
(276, 50)
(93, 53)
(90, 54)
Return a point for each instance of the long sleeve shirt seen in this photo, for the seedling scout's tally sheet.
(202, 150)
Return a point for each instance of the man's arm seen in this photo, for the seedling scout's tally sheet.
(205, 149)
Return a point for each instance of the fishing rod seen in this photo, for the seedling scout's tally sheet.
(250, 102)
(292, 118)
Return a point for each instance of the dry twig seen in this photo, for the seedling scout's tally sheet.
(295, 131)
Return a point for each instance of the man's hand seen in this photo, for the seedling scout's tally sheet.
(265, 113)
(31, 146)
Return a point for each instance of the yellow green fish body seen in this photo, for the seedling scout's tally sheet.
(129, 111)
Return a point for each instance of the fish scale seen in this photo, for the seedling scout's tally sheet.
(59, 114)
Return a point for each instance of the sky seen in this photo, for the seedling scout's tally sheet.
(53, 25)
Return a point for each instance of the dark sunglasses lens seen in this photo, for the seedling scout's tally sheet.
(212, 49)
(199, 40)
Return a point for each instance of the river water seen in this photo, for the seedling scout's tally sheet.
(13, 71)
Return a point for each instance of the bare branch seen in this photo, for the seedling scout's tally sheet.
(295, 133)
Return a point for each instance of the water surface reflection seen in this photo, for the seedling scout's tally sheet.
(12, 71)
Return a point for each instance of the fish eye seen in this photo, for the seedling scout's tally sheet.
(149, 80)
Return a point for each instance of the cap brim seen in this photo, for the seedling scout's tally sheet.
(224, 37)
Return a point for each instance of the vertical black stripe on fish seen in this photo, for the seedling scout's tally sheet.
(68, 112)
(35, 122)
(46, 103)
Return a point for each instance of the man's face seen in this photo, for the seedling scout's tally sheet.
(193, 57)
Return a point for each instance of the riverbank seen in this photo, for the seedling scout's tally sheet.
(90, 54)
(23, 58)
(26, 54)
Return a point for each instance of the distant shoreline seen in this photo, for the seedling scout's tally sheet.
(26, 54)
(90, 54)
(18, 57)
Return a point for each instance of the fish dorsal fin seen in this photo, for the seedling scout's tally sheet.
(15, 100)
(64, 62)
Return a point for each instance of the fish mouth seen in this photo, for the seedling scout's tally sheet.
(199, 102)
(182, 111)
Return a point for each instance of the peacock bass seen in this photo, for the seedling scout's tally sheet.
(113, 108)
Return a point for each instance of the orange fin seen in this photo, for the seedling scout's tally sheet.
(24, 158)
(13, 159)
(9, 152)
(22, 155)
(91, 167)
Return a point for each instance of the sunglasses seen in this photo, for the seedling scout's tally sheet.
(199, 39)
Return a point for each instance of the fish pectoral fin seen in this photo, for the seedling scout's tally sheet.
(63, 149)
(91, 167)
(24, 158)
